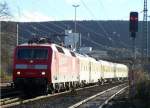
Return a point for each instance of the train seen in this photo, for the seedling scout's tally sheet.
(47, 67)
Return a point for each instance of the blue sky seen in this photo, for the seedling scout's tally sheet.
(52, 10)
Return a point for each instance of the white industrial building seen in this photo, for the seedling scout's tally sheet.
(72, 40)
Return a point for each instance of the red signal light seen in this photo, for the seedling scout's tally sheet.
(133, 26)
(133, 18)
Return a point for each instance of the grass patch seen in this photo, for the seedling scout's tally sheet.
(142, 85)
(5, 77)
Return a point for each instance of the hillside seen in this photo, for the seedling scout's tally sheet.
(111, 36)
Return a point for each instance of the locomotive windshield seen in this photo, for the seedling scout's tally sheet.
(32, 53)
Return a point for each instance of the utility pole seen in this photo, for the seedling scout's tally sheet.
(17, 35)
(75, 6)
(145, 49)
(75, 28)
(0, 44)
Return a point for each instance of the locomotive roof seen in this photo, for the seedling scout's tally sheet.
(35, 44)
(68, 52)
(55, 47)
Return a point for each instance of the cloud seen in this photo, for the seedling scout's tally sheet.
(30, 16)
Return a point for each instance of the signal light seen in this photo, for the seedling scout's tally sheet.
(18, 73)
(133, 26)
(43, 73)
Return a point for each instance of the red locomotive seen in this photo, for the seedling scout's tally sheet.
(42, 66)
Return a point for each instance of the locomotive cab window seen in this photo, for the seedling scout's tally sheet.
(32, 53)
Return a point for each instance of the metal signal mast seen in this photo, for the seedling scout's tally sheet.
(145, 49)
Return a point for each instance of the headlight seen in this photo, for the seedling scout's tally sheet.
(18, 73)
(43, 73)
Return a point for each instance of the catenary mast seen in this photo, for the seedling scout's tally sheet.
(145, 50)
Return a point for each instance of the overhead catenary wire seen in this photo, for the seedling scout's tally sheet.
(41, 25)
(60, 27)
(106, 33)
(100, 25)
(52, 30)
(64, 29)
(91, 30)
(111, 26)
(34, 27)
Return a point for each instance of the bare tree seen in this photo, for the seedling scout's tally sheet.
(4, 11)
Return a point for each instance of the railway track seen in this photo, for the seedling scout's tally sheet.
(9, 91)
(100, 99)
(9, 100)
(58, 100)
(13, 101)
(10, 94)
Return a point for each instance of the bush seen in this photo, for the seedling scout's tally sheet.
(5, 77)
(142, 85)
(143, 90)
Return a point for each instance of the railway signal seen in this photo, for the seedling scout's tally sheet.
(133, 28)
(133, 22)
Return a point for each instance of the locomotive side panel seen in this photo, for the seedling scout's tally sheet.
(65, 68)
(54, 68)
(75, 69)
